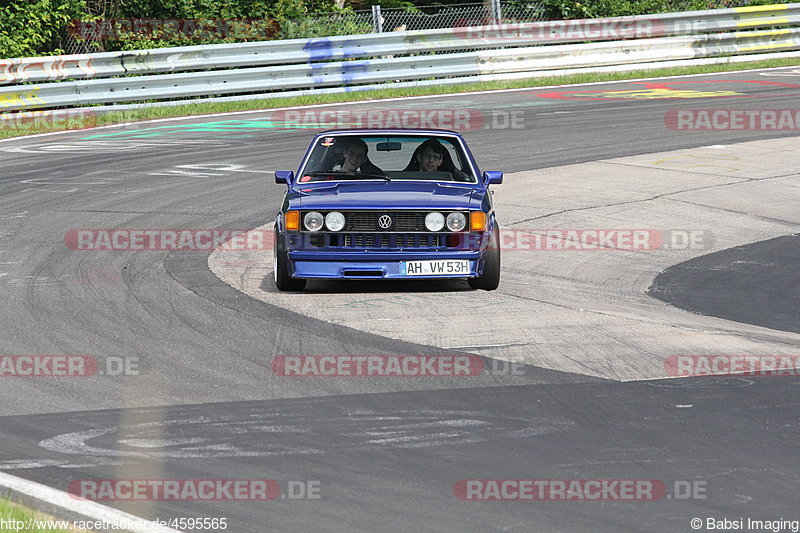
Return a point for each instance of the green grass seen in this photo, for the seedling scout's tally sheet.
(11, 511)
(43, 126)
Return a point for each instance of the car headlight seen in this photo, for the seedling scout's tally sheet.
(456, 221)
(313, 221)
(334, 221)
(434, 221)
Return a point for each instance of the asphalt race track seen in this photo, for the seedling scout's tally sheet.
(756, 283)
(592, 400)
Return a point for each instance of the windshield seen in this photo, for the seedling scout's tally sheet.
(352, 157)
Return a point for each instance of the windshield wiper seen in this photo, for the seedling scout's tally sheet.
(347, 174)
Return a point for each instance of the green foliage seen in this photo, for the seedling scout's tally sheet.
(574, 9)
(385, 4)
(191, 22)
(13, 512)
(32, 27)
(186, 32)
(220, 9)
(336, 24)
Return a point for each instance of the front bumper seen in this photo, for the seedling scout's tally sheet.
(374, 265)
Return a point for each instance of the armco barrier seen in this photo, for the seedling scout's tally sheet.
(465, 37)
(351, 61)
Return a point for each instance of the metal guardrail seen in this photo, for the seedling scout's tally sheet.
(410, 42)
(334, 61)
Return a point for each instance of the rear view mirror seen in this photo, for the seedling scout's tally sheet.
(389, 147)
(284, 176)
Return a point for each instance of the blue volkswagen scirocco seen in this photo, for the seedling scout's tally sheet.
(387, 204)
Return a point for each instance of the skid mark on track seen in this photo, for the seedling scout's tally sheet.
(274, 433)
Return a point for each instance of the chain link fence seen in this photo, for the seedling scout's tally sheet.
(452, 16)
(374, 21)
(444, 16)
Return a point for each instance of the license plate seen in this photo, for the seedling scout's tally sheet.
(447, 267)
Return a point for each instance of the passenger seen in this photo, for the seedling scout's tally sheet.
(432, 156)
(356, 158)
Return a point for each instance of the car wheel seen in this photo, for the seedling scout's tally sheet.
(490, 279)
(280, 264)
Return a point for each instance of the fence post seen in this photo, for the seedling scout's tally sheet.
(497, 13)
(377, 19)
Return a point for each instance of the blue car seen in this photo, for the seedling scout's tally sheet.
(387, 204)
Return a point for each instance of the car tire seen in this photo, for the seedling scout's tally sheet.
(281, 276)
(490, 279)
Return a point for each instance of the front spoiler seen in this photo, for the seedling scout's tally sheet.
(375, 267)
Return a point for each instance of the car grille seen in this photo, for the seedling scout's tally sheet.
(393, 240)
(368, 221)
(379, 241)
(344, 241)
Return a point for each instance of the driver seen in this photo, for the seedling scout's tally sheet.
(428, 156)
(430, 159)
(432, 156)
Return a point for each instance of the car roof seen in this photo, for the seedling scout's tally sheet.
(400, 131)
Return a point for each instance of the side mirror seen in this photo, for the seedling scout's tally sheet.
(284, 176)
(493, 177)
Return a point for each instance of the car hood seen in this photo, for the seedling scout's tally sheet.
(386, 195)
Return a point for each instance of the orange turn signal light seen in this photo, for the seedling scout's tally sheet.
(292, 219)
(477, 221)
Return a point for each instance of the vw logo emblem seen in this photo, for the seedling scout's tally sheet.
(385, 222)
